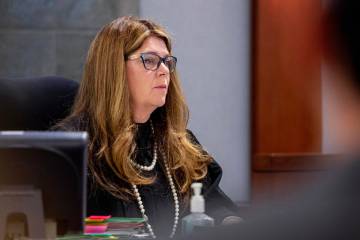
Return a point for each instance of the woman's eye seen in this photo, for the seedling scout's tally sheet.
(169, 62)
(150, 60)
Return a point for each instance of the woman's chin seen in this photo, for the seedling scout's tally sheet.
(159, 102)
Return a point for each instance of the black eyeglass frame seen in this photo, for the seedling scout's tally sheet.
(162, 60)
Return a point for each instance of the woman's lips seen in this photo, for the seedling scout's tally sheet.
(162, 86)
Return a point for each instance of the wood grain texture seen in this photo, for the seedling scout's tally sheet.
(286, 99)
(287, 80)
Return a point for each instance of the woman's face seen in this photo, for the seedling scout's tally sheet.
(148, 88)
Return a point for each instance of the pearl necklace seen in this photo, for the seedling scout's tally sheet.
(176, 201)
(153, 163)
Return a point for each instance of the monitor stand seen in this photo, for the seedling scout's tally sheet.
(25, 200)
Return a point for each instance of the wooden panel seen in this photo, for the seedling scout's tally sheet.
(287, 121)
(296, 162)
(287, 82)
(281, 177)
(282, 187)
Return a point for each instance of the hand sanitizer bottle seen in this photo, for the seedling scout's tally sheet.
(197, 218)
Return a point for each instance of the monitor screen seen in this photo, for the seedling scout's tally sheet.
(54, 163)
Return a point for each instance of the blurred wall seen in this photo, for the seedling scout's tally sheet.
(51, 37)
(212, 43)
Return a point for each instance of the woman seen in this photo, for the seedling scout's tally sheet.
(142, 158)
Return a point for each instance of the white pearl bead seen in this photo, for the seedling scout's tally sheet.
(153, 163)
(173, 190)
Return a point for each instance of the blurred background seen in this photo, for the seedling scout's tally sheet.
(252, 73)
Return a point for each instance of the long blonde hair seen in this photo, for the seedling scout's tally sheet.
(104, 98)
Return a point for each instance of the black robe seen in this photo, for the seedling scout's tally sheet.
(157, 197)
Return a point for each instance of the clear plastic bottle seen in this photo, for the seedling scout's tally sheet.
(197, 219)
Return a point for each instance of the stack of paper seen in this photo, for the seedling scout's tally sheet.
(115, 226)
(96, 224)
(125, 226)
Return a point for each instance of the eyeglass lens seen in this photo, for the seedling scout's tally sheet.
(152, 61)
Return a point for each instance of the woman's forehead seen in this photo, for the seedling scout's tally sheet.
(155, 45)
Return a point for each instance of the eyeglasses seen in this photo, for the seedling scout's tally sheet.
(152, 61)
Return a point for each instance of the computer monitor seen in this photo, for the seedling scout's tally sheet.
(49, 162)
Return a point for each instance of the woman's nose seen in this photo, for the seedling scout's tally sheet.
(163, 69)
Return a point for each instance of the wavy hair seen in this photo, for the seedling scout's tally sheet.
(105, 99)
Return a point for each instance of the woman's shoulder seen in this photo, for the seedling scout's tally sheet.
(191, 136)
(214, 169)
(72, 123)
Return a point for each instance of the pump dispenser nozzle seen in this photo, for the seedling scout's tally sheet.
(197, 203)
(197, 218)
